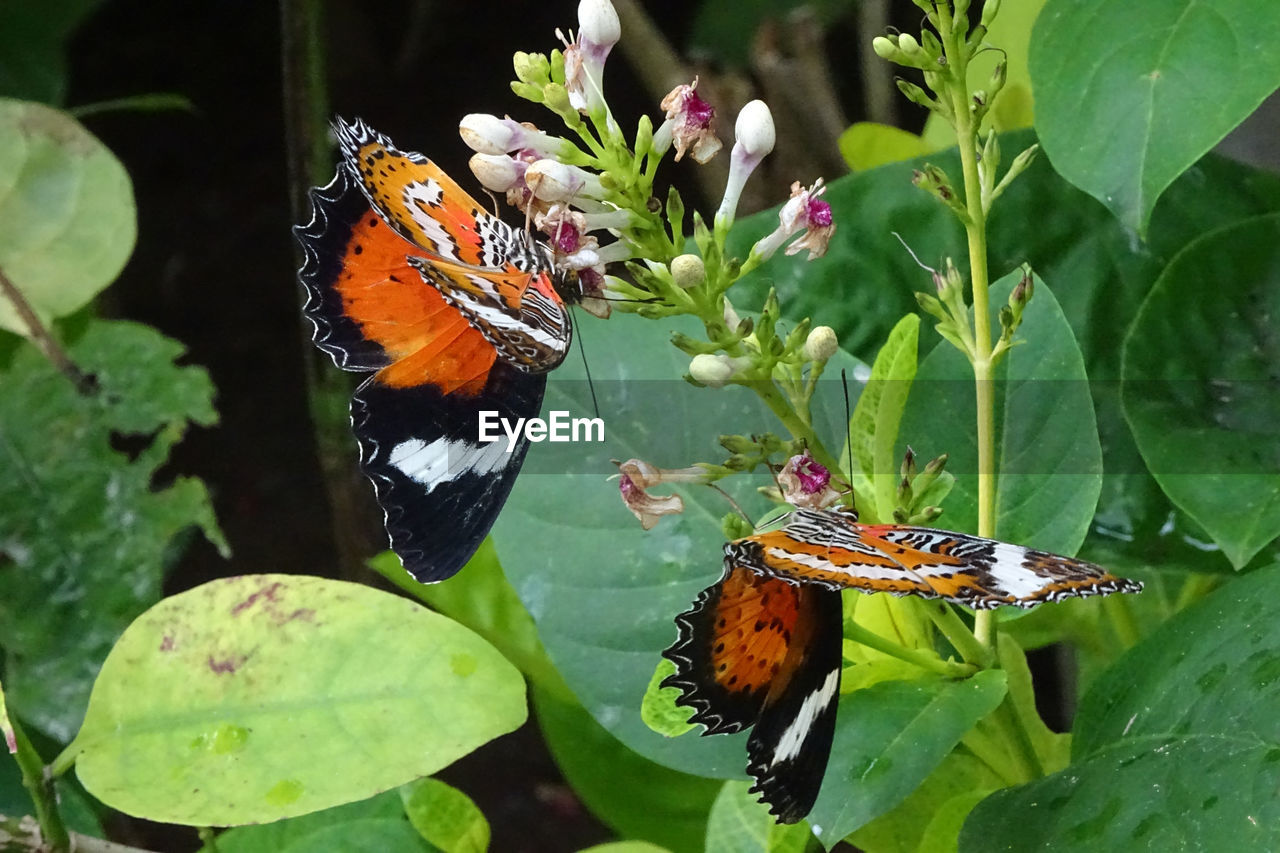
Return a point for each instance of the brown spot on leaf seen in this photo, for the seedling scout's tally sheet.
(226, 666)
(166, 645)
(267, 592)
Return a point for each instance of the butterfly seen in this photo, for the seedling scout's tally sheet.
(452, 312)
(761, 647)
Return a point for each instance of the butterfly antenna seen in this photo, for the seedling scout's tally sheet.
(734, 504)
(586, 366)
(848, 425)
(913, 255)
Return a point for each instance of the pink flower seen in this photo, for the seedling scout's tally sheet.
(804, 212)
(806, 483)
(690, 123)
(635, 476)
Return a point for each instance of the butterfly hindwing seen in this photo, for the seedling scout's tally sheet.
(759, 651)
(789, 747)
(439, 486)
(732, 642)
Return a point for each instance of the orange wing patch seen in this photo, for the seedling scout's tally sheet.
(428, 340)
(754, 620)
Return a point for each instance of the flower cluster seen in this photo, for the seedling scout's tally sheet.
(590, 191)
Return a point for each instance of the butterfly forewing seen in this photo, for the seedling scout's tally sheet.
(830, 548)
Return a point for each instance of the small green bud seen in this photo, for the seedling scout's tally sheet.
(916, 95)
(999, 76)
(692, 346)
(935, 465)
(931, 306)
(528, 91)
(884, 48)
(908, 470)
(926, 516)
(990, 9)
(908, 45)
(738, 443)
(734, 526)
(688, 271)
(556, 97)
(1023, 291)
(531, 67)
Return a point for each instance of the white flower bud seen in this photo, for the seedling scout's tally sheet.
(754, 129)
(821, 344)
(488, 134)
(688, 271)
(598, 22)
(714, 371)
(497, 172)
(551, 180)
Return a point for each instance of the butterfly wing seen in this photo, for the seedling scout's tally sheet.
(497, 276)
(758, 651)
(829, 548)
(985, 573)
(416, 417)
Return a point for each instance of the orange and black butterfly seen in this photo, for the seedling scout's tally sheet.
(761, 647)
(451, 312)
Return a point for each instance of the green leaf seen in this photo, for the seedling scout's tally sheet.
(739, 823)
(33, 40)
(1200, 384)
(84, 532)
(903, 829)
(265, 696)
(6, 727)
(634, 796)
(68, 207)
(445, 816)
(659, 710)
(876, 417)
(1129, 96)
(281, 834)
(889, 738)
(606, 608)
(1047, 451)
(625, 847)
(481, 599)
(370, 835)
(1176, 746)
(867, 144)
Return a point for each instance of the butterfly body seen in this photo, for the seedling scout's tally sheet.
(452, 313)
(760, 648)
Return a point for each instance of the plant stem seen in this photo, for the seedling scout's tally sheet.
(1121, 616)
(40, 786)
(976, 232)
(925, 660)
(43, 339)
(959, 635)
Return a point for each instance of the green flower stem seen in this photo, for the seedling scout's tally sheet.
(1194, 588)
(959, 635)
(925, 660)
(976, 230)
(40, 787)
